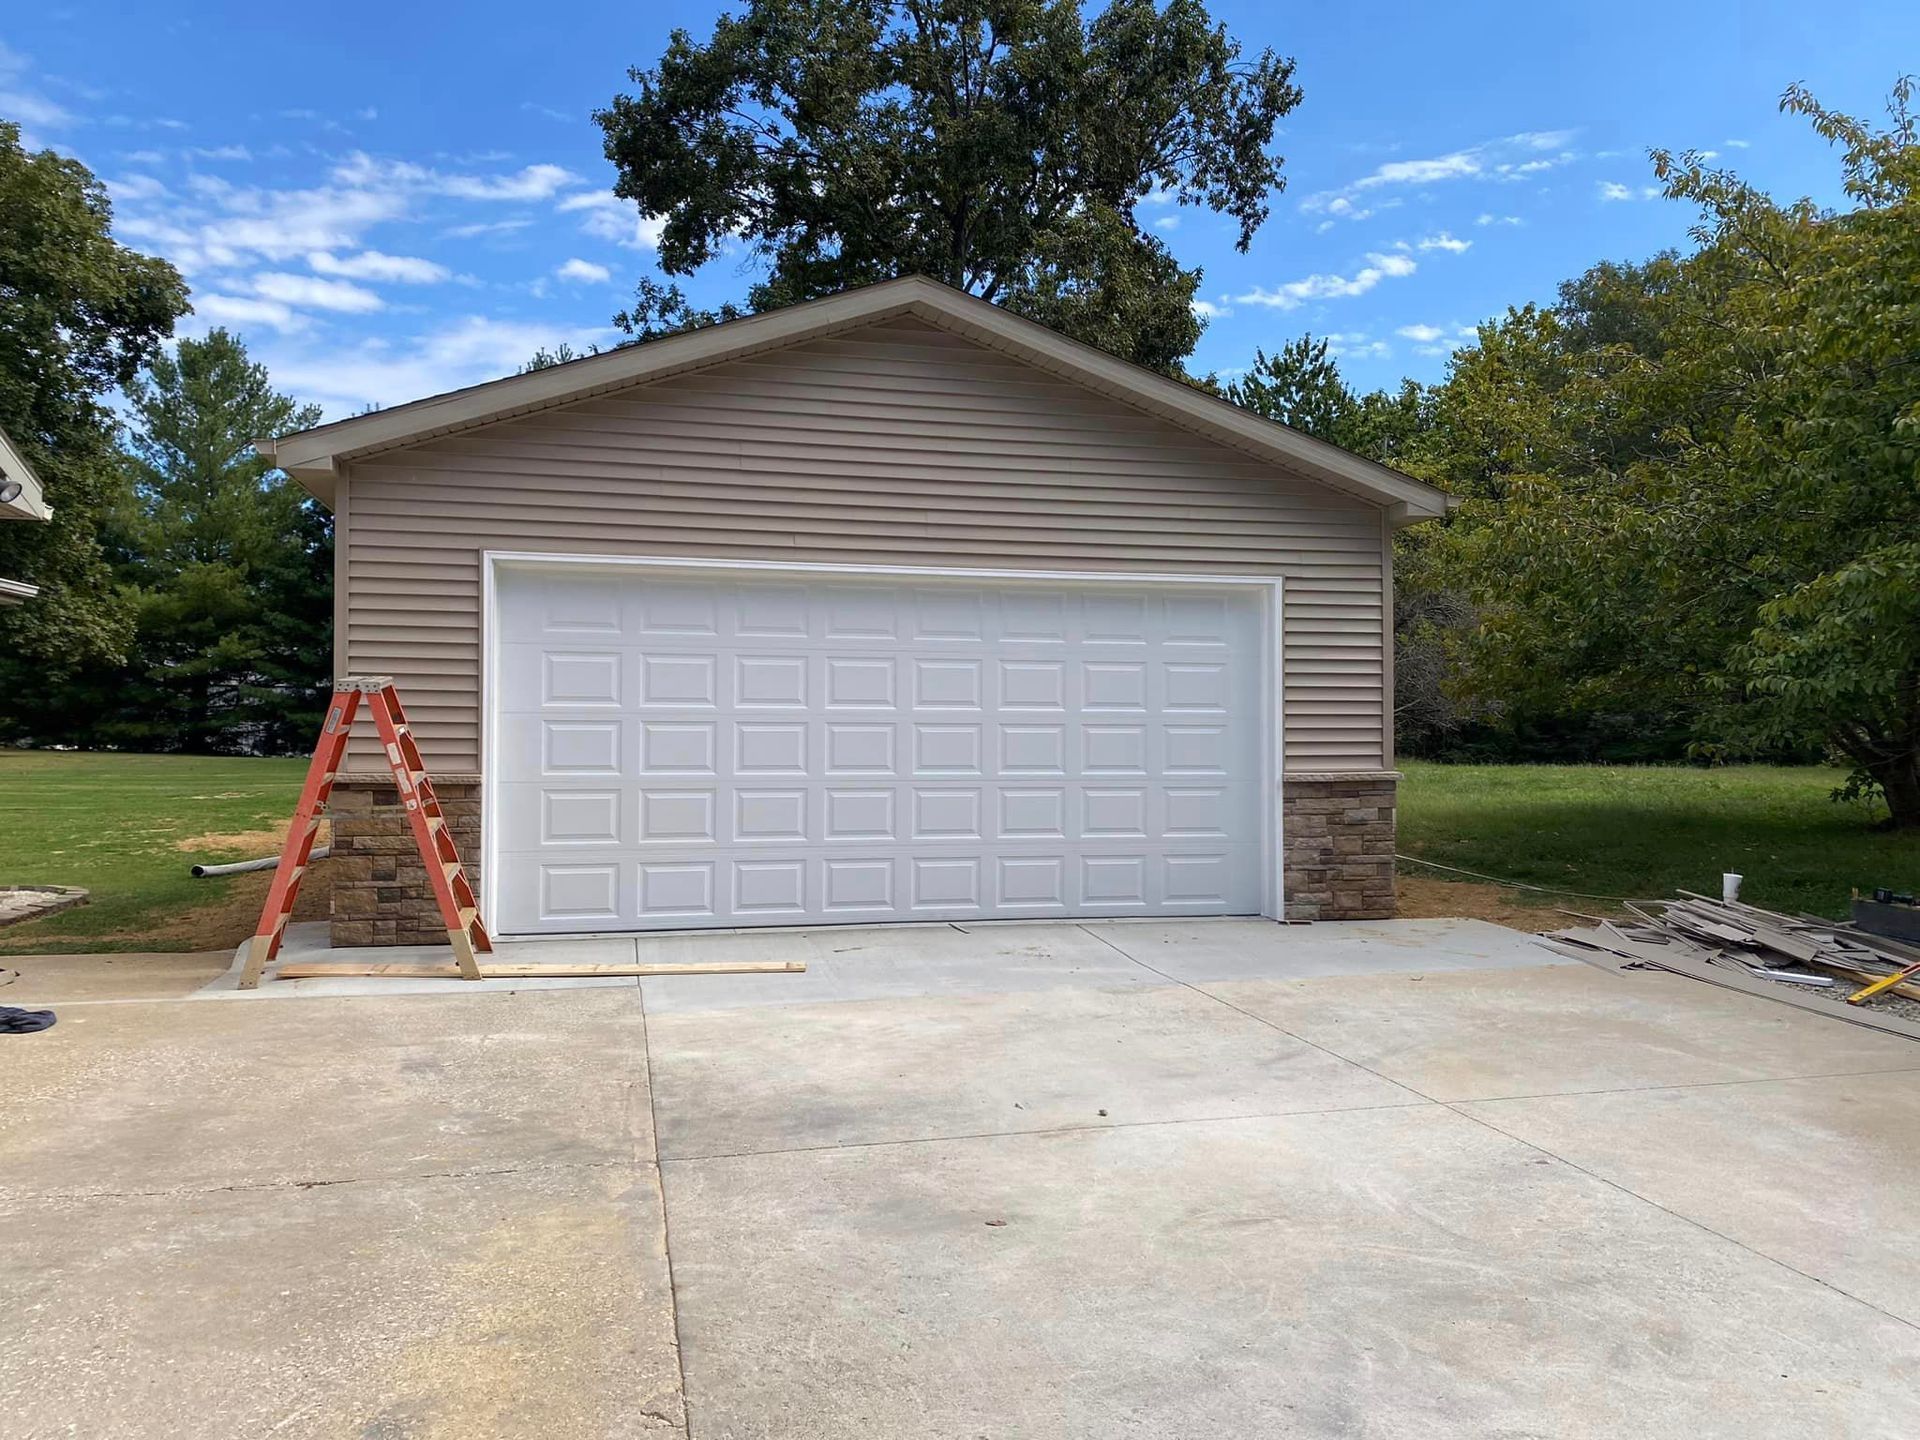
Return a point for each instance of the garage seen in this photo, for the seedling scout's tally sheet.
(888, 606)
(678, 747)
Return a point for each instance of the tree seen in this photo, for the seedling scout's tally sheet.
(1005, 148)
(226, 562)
(79, 314)
(1299, 386)
(1703, 488)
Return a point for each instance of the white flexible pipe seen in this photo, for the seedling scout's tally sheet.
(201, 872)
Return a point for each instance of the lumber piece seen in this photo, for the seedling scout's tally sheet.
(338, 969)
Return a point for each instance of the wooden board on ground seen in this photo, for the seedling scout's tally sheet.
(341, 969)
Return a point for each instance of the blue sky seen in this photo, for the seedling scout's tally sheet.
(393, 200)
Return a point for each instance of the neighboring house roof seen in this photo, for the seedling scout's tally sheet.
(313, 456)
(29, 504)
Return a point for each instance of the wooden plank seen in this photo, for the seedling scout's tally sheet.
(331, 969)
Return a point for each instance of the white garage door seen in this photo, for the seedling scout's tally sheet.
(676, 749)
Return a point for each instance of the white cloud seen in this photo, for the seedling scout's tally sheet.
(584, 272)
(373, 265)
(1357, 346)
(1614, 190)
(488, 227)
(20, 101)
(135, 187)
(221, 152)
(535, 108)
(305, 292)
(1446, 240)
(240, 311)
(1488, 218)
(607, 217)
(535, 182)
(1211, 310)
(1296, 293)
(346, 379)
(143, 157)
(1425, 334)
(1511, 157)
(1736, 144)
(271, 224)
(1167, 222)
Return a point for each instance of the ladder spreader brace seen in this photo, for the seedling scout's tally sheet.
(425, 818)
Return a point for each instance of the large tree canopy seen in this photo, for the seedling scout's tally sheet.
(1003, 146)
(1696, 483)
(79, 315)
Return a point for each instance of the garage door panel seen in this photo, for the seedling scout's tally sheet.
(676, 752)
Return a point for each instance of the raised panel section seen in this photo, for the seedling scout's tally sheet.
(947, 750)
(859, 749)
(946, 814)
(761, 815)
(1033, 814)
(946, 684)
(683, 680)
(676, 889)
(580, 817)
(676, 815)
(581, 747)
(1029, 882)
(859, 885)
(575, 679)
(770, 747)
(859, 683)
(946, 883)
(1115, 813)
(677, 748)
(860, 815)
(579, 892)
(770, 887)
(770, 681)
(1033, 685)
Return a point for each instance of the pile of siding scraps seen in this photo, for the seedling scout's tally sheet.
(1826, 966)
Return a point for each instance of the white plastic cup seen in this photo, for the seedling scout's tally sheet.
(1730, 887)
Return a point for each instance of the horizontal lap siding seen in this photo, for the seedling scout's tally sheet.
(897, 445)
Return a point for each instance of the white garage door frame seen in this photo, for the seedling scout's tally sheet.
(1267, 589)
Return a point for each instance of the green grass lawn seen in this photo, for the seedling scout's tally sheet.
(127, 826)
(1649, 830)
(116, 824)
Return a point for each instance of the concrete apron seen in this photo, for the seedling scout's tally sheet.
(863, 961)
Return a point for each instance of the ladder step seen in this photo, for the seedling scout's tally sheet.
(450, 869)
(467, 916)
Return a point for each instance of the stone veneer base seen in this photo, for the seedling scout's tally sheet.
(1338, 828)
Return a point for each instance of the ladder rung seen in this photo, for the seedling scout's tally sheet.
(450, 869)
(435, 824)
(467, 916)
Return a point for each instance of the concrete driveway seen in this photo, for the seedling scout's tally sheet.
(1209, 1179)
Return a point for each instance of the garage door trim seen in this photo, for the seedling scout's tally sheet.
(1268, 589)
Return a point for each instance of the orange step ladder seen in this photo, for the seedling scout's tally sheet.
(428, 821)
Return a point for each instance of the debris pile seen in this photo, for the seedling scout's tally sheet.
(1822, 965)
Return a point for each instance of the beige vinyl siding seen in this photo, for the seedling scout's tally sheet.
(897, 444)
